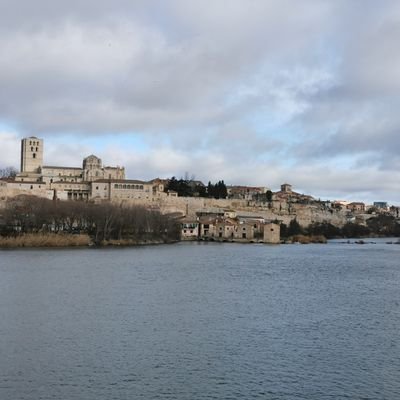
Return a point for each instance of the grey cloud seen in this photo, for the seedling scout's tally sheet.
(286, 83)
(75, 56)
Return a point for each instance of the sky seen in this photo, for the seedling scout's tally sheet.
(254, 92)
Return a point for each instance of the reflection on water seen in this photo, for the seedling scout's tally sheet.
(201, 321)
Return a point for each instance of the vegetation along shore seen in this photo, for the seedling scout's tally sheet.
(29, 221)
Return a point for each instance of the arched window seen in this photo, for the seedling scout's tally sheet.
(34, 155)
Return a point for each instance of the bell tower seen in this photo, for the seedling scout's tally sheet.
(31, 154)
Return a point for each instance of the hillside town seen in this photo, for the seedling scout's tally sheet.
(206, 212)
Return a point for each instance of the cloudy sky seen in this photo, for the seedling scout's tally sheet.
(256, 92)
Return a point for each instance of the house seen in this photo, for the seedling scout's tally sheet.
(189, 229)
(225, 228)
(245, 192)
(286, 188)
(356, 207)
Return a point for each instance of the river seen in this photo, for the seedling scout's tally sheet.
(201, 321)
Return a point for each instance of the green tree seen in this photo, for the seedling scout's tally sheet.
(294, 228)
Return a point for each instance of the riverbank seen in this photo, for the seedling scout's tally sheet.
(45, 240)
(70, 240)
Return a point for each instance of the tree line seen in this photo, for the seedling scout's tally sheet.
(380, 225)
(190, 188)
(102, 222)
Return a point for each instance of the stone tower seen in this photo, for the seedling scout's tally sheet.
(31, 154)
(92, 168)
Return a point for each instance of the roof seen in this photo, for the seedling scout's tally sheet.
(55, 167)
(28, 182)
(121, 181)
(238, 187)
(92, 156)
(207, 220)
(159, 180)
(72, 183)
(113, 167)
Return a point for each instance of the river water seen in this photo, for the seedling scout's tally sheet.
(201, 321)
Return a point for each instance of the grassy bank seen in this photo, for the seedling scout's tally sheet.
(44, 240)
(304, 239)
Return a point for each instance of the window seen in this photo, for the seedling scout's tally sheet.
(36, 149)
(31, 148)
(34, 155)
(97, 188)
(31, 186)
(115, 186)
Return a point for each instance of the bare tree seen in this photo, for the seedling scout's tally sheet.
(8, 172)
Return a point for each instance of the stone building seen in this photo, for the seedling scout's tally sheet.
(272, 233)
(31, 155)
(245, 192)
(32, 168)
(92, 181)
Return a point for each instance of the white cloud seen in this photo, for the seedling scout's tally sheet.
(9, 151)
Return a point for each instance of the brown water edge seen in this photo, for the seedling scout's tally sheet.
(68, 240)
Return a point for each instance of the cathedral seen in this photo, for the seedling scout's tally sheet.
(92, 181)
